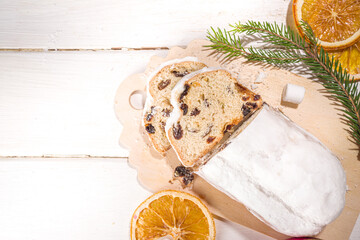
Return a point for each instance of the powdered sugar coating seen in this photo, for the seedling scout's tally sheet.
(283, 174)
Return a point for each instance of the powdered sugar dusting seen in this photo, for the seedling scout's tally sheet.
(282, 173)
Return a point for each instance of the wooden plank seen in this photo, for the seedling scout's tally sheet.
(113, 23)
(77, 199)
(67, 198)
(61, 103)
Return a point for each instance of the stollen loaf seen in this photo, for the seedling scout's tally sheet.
(284, 175)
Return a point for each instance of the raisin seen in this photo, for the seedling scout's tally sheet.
(179, 74)
(184, 107)
(210, 139)
(245, 110)
(149, 117)
(195, 112)
(245, 98)
(163, 84)
(206, 103)
(166, 112)
(252, 105)
(256, 97)
(150, 128)
(151, 114)
(189, 173)
(188, 179)
(228, 128)
(180, 171)
(185, 92)
(177, 131)
(185, 173)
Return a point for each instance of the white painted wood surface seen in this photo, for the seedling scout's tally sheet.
(122, 23)
(61, 103)
(76, 199)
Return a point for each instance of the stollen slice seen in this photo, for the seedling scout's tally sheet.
(158, 107)
(207, 104)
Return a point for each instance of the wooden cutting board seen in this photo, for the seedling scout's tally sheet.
(318, 114)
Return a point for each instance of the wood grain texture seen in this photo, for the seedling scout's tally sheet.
(119, 23)
(61, 103)
(72, 198)
(67, 198)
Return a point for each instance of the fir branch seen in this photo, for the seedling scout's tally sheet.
(230, 45)
(226, 43)
(295, 48)
(271, 33)
(272, 56)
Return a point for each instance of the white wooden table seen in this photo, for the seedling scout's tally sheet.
(63, 174)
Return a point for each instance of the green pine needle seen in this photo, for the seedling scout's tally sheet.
(288, 48)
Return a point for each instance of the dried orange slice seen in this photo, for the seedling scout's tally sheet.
(349, 59)
(172, 213)
(336, 23)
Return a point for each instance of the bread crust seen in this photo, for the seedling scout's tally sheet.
(154, 118)
(231, 101)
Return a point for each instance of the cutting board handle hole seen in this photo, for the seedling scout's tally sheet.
(137, 99)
